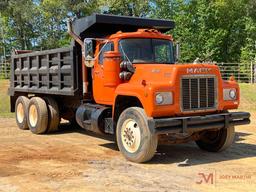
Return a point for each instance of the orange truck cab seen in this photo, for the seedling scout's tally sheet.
(134, 87)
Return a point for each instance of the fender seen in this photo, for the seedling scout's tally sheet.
(227, 105)
(144, 95)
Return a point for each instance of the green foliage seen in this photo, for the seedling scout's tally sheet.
(53, 28)
(211, 30)
(19, 18)
(248, 50)
(82, 8)
(40, 24)
(137, 8)
(219, 30)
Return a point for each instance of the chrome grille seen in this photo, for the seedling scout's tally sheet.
(198, 93)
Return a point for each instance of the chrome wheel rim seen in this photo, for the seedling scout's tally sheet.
(20, 113)
(131, 135)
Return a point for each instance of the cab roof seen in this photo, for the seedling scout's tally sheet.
(141, 33)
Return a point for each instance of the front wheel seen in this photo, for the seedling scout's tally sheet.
(134, 138)
(216, 141)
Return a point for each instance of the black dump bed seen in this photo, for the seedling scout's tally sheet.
(45, 72)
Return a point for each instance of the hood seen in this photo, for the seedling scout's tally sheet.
(168, 73)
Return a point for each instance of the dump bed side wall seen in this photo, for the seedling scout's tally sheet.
(52, 72)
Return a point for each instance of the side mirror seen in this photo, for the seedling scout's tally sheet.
(177, 52)
(88, 52)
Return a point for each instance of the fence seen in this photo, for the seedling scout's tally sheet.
(243, 72)
(5, 70)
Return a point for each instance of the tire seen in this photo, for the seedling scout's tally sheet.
(53, 115)
(37, 114)
(133, 135)
(21, 107)
(216, 141)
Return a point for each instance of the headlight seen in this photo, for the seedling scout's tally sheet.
(164, 98)
(159, 99)
(229, 94)
(232, 93)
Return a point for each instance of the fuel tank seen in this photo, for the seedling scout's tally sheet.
(95, 118)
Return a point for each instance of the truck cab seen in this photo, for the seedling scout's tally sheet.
(130, 84)
(163, 86)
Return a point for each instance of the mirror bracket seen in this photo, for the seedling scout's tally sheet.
(177, 52)
(88, 51)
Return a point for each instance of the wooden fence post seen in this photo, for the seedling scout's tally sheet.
(5, 70)
(251, 72)
(239, 73)
(254, 73)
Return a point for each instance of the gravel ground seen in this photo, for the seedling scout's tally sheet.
(75, 160)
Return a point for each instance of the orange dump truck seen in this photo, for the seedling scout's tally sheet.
(121, 76)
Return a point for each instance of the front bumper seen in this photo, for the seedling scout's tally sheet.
(198, 123)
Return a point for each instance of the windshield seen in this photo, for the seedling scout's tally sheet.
(147, 50)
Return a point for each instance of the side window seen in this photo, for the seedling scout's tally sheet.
(162, 51)
(108, 47)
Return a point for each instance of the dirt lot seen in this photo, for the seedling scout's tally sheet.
(74, 160)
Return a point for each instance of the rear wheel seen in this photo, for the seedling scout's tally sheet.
(215, 141)
(53, 115)
(21, 106)
(37, 114)
(134, 138)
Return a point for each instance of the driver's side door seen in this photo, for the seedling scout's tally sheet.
(101, 93)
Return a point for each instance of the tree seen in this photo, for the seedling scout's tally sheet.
(82, 8)
(220, 30)
(53, 15)
(248, 52)
(210, 30)
(20, 17)
(137, 8)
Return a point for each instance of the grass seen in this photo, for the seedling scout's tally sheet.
(4, 99)
(248, 91)
(248, 97)
(247, 103)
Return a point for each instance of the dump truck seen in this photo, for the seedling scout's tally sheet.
(121, 76)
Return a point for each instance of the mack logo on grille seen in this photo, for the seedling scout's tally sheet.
(198, 70)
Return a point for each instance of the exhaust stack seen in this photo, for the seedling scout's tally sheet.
(81, 43)
(72, 33)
